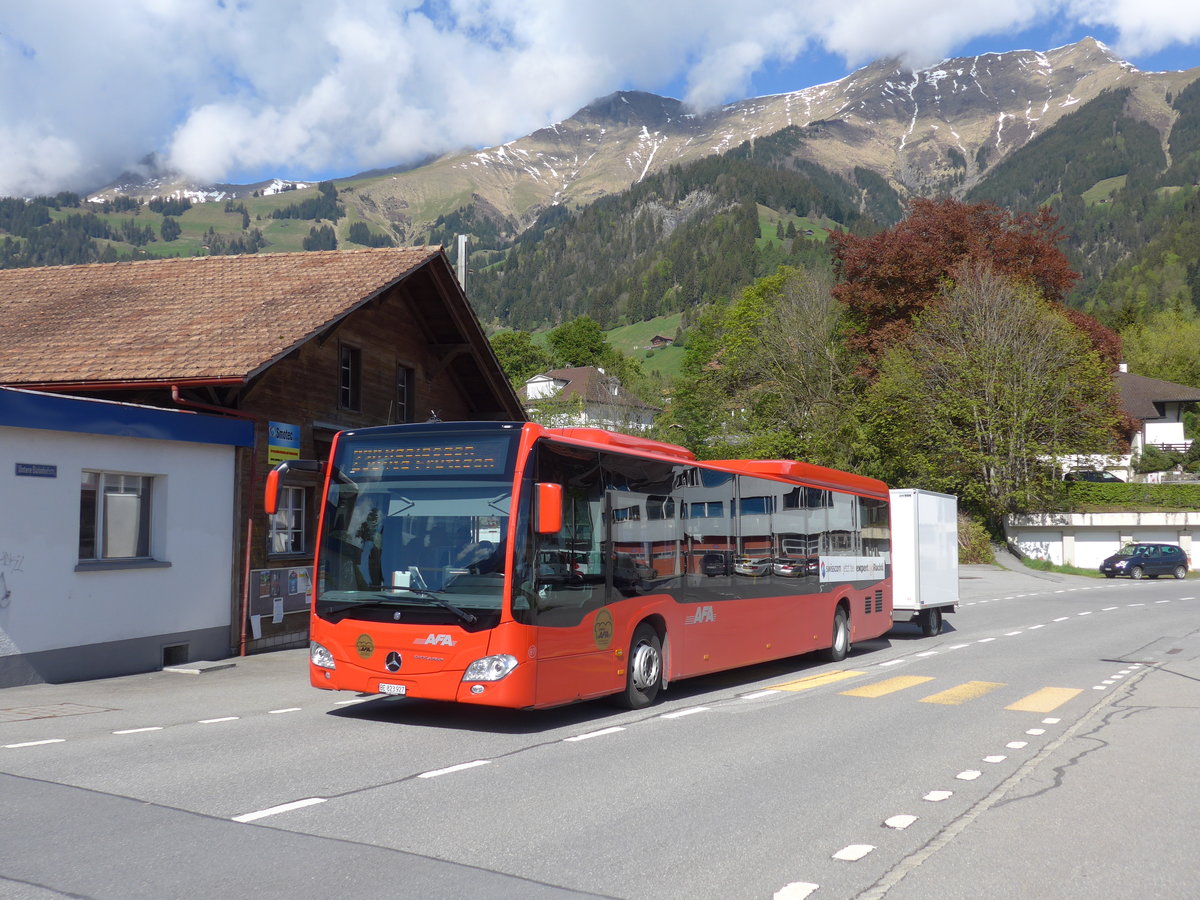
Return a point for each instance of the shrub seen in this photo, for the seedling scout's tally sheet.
(974, 542)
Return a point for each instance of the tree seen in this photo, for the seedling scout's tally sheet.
(992, 384)
(579, 342)
(1165, 347)
(768, 376)
(519, 356)
(320, 237)
(888, 278)
(170, 229)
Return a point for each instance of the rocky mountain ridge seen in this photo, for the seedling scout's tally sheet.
(936, 130)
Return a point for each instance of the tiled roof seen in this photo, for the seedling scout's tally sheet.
(592, 385)
(1139, 394)
(211, 317)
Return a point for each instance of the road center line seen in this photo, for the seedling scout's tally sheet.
(275, 810)
(588, 736)
(34, 743)
(679, 714)
(139, 730)
(460, 767)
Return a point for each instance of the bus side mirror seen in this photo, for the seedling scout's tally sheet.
(277, 476)
(548, 510)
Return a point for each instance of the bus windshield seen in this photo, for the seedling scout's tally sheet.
(415, 530)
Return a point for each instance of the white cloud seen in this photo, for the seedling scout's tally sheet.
(231, 89)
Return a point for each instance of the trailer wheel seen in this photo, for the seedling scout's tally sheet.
(837, 651)
(643, 674)
(930, 621)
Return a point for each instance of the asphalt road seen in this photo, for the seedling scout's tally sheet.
(1042, 745)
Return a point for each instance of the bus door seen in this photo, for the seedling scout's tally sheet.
(574, 630)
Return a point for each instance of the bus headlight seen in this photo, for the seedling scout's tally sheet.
(320, 656)
(490, 668)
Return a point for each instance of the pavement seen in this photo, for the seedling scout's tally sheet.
(1106, 810)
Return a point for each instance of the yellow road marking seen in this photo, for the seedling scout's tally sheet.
(888, 686)
(812, 681)
(1045, 700)
(964, 692)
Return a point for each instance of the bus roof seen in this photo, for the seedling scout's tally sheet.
(808, 473)
(785, 469)
(625, 441)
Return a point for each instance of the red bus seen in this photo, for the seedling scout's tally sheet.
(513, 565)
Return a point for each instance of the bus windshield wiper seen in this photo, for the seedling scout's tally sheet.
(381, 599)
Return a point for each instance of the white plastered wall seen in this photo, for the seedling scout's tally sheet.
(52, 606)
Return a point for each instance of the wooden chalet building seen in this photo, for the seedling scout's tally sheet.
(300, 344)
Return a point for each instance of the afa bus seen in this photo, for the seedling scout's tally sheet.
(512, 565)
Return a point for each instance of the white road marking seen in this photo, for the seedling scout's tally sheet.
(1137, 604)
(928, 653)
(900, 822)
(1109, 608)
(854, 852)
(355, 700)
(1017, 745)
(460, 767)
(592, 734)
(1051, 721)
(1036, 627)
(1036, 731)
(214, 721)
(275, 712)
(994, 759)
(1011, 633)
(969, 775)
(1087, 613)
(757, 694)
(1062, 619)
(958, 646)
(1099, 687)
(797, 890)
(938, 796)
(139, 730)
(985, 640)
(892, 662)
(34, 743)
(679, 714)
(275, 810)
(1156, 602)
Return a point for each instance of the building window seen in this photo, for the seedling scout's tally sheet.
(404, 401)
(287, 534)
(350, 378)
(114, 516)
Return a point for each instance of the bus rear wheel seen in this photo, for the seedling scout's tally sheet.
(643, 675)
(837, 651)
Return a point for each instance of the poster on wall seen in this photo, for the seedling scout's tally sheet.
(274, 592)
(283, 442)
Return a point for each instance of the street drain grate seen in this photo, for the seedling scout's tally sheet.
(23, 713)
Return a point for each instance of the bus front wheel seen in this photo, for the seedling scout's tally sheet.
(643, 675)
(837, 651)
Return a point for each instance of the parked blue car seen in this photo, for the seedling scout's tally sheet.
(1146, 560)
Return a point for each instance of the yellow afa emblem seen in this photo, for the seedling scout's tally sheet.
(365, 646)
(602, 630)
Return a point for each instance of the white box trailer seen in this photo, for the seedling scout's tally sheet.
(924, 557)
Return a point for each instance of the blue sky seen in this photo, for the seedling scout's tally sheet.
(241, 90)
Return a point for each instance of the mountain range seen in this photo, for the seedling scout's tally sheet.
(937, 130)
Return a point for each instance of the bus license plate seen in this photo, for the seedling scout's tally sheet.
(398, 690)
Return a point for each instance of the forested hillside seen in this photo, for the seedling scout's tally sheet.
(679, 238)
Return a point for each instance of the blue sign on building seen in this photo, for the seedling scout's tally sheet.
(37, 470)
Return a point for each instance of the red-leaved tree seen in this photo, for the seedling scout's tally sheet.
(886, 279)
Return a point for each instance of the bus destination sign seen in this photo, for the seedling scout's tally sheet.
(441, 459)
